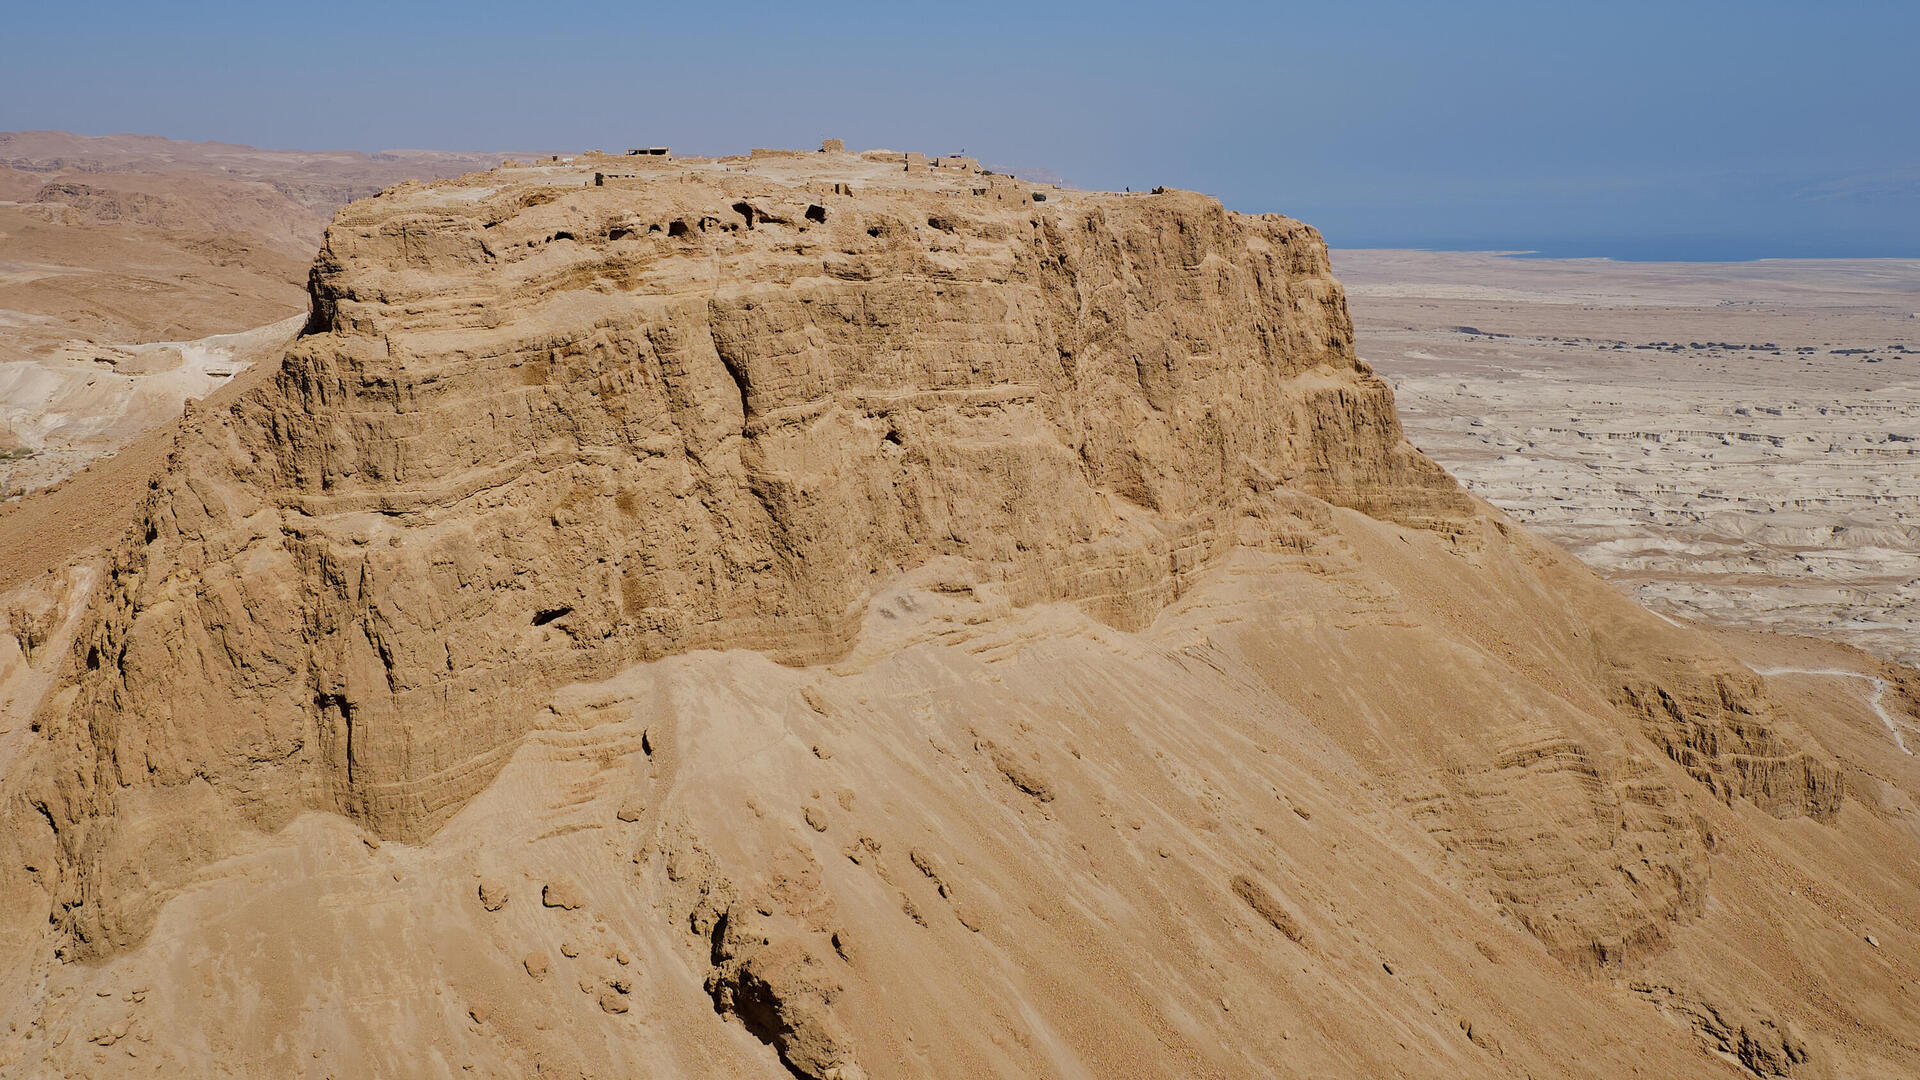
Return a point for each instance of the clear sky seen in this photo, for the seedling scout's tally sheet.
(1683, 128)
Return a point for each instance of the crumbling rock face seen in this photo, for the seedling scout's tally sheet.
(514, 451)
(784, 995)
(771, 953)
(500, 564)
(1718, 722)
(1763, 1044)
(1626, 866)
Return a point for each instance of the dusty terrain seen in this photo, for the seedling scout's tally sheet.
(1737, 443)
(138, 272)
(812, 615)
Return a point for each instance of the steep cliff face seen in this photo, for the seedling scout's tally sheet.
(558, 449)
(539, 432)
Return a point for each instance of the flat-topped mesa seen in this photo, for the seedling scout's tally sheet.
(718, 406)
(548, 421)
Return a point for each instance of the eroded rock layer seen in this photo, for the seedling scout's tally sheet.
(851, 618)
(540, 431)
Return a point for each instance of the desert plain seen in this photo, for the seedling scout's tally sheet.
(1737, 443)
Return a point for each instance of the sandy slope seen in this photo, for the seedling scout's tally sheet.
(1210, 852)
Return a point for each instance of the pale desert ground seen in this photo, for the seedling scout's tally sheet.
(1737, 443)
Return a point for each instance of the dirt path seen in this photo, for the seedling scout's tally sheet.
(1877, 702)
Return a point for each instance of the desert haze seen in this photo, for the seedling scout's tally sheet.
(852, 614)
(1735, 442)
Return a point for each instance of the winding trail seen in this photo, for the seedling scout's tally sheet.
(1877, 703)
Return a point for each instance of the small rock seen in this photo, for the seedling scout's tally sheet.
(629, 813)
(1022, 773)
(612, 1001)
(493, 895)
(816, 819)
(1873, 941)
(479, 1013)
(569, 949)
(537, 964)
(926, 862)
(1269, 907)
(561, 894)
(862, 849)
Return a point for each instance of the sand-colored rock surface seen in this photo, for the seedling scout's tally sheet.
(1736, 443)
(833, 615)
(137, 273)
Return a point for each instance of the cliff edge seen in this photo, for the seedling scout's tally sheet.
(851, 617)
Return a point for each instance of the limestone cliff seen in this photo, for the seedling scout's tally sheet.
(556, 434)
(538, 432)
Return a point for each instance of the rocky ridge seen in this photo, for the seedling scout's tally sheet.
(849, 580)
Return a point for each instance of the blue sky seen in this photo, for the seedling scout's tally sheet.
(1676, 129)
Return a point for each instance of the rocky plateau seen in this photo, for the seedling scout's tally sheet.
(853, 615)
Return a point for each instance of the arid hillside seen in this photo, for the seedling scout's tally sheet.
(834, 615)
(138, 272)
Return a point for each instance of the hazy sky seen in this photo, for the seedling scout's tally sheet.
(1677, 128)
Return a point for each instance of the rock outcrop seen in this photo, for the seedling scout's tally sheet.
(536, 433)
(1125, 661)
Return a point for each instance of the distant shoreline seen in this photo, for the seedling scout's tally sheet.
(1596, 254)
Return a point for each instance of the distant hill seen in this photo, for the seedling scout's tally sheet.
(123, 240)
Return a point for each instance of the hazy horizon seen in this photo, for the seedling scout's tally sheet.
(1633, 130)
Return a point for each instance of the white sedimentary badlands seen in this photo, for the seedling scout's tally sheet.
(1666, 444)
